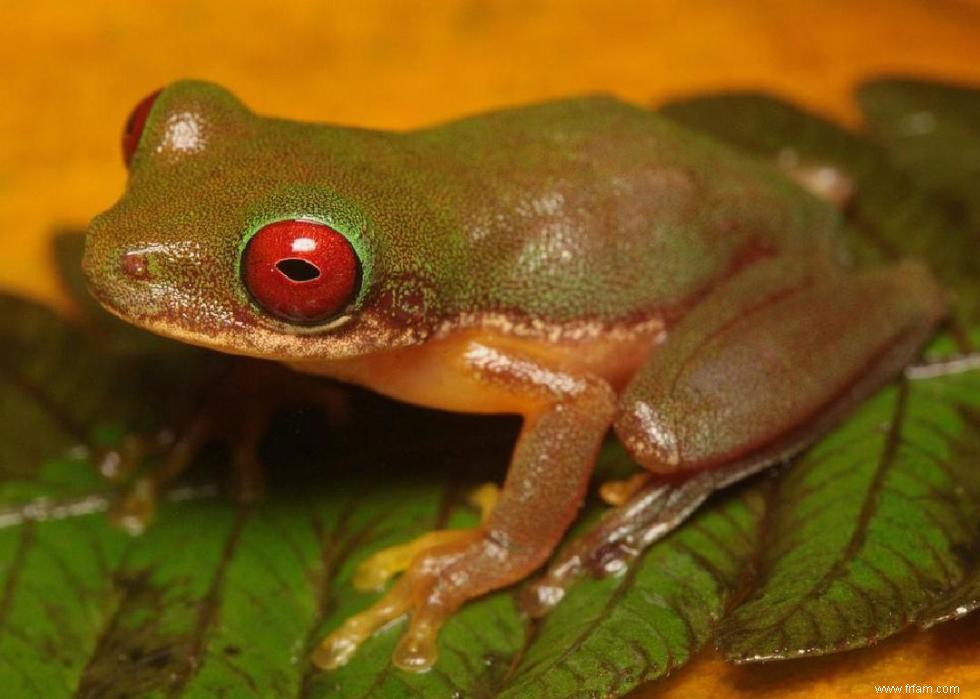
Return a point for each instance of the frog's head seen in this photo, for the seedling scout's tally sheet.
(260, 236)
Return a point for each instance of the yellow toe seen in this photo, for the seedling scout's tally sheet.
(485, 498)
(374, 572)
(339, 647)
(618, 492)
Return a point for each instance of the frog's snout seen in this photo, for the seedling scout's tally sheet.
(115, 272)
(135, 265)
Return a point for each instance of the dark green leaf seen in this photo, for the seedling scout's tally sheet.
(960, 601)
(57, 582)
(869, 528)
(932, 132)
(215, 596)
(62, 391)
(40, 390)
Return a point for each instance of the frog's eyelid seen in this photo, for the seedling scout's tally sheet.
(135, 124)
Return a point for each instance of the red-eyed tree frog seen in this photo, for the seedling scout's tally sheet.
(583, 263)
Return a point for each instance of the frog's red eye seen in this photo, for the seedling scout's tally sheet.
(300, 271)
(134, 126)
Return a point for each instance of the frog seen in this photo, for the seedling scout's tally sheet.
(585, 264)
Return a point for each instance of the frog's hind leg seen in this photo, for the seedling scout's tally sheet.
(767, 353)
(620, 491)
(760, 370)
(653, 509)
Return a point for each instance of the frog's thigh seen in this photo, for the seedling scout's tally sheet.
(763, 355)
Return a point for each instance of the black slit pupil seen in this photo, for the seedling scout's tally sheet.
(298, 270)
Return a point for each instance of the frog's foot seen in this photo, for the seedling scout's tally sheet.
(374, 572)
(134, 510)
(619, 492)
(653, 509)
(137, 505)
(235, 407)
(418, 592)
(118, 464)
(436, 584)
(611, 545)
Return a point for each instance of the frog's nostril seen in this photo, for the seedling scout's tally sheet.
(135, 265)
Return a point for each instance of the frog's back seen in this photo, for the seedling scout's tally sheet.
(592, 209)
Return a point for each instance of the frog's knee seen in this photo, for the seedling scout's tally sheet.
(650, 436)
(823, 180)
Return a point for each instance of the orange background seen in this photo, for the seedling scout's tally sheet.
(72, 70)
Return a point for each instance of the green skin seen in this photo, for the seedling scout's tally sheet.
(572, 223)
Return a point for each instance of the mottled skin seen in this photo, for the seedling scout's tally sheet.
(584, 263)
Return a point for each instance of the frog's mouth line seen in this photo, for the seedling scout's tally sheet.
(242, 341)
(166, 329)
(255, 340)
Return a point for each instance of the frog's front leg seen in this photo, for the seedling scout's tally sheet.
(565, 419)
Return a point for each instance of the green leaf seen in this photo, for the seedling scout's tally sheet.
(35, 387)
(869, 528)
(932, 132)
(56, 581)
(67, 396)
(962, 600)
(65, 391)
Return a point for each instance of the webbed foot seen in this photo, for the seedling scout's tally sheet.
(619, 492)
(653, 509)
(378, 569)
(442, 569)
(436, 582)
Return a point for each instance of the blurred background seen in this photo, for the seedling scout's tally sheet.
(73, 70)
